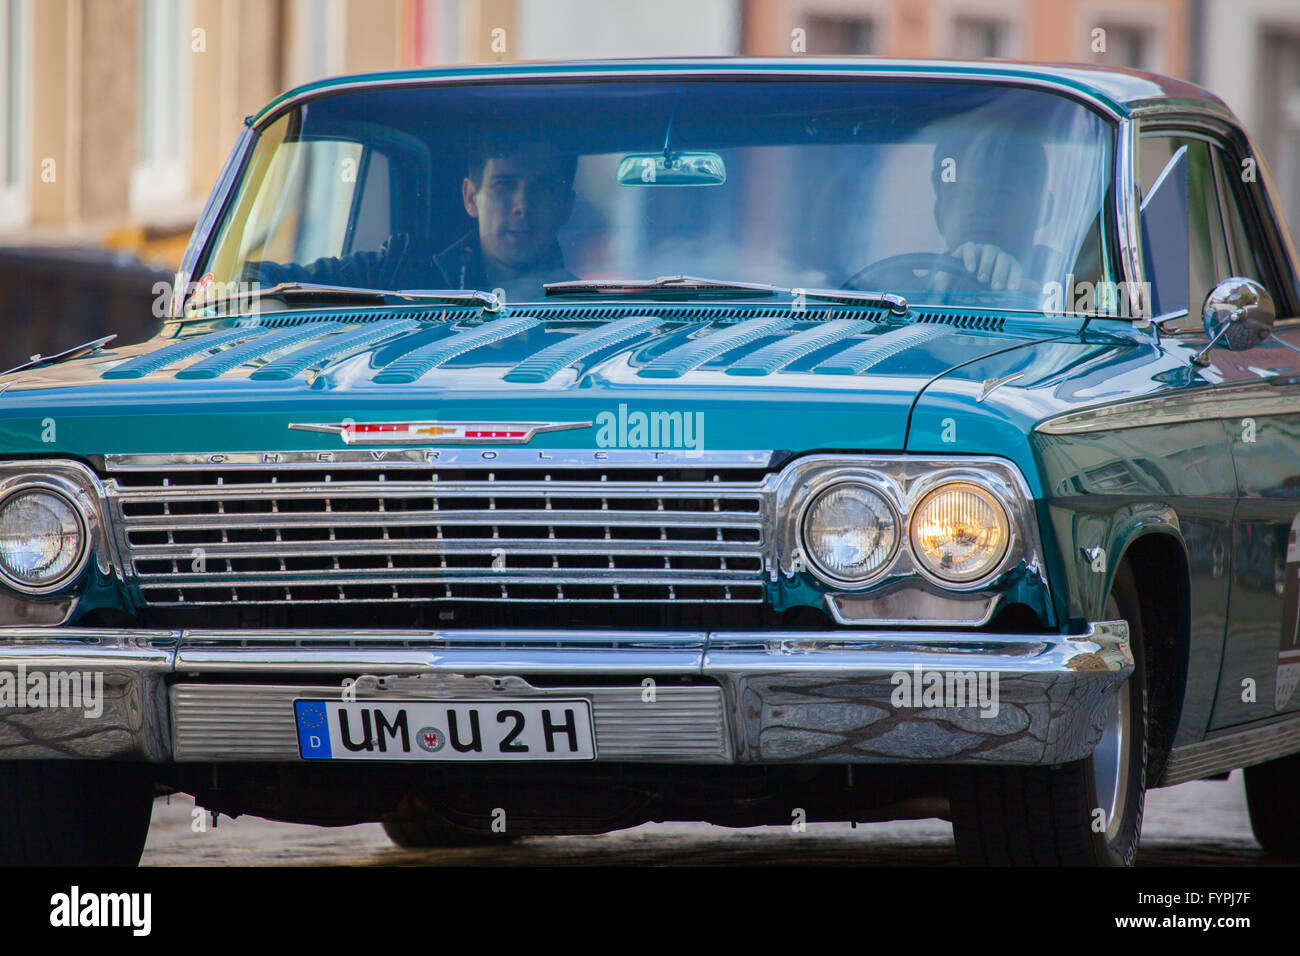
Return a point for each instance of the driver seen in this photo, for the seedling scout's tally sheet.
(520, 199)
(520, 196)
(989, 198)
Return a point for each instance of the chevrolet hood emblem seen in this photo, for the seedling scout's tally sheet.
(443, 433)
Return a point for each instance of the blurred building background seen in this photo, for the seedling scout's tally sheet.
(116, 115)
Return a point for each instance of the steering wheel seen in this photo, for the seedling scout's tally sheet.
(895, 273)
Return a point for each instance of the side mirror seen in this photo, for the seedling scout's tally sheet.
(1240, 313)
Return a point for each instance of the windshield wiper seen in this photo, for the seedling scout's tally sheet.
(307, 291)
(895, 303)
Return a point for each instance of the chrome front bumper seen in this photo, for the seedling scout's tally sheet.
(657, 696)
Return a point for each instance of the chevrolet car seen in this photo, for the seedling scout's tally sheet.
(554, 448)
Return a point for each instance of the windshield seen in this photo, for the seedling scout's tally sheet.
(947, 193)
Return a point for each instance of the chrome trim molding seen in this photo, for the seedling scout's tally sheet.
(1257, 399)
(133, 722)
(448, 433)
(213, 210)
(1129, 222)
(1035, 81)
(729, 696)
(423, 457)
(1232, 750)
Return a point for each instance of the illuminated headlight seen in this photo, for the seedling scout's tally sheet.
(849, 533)
(42, 539)
(959, 532)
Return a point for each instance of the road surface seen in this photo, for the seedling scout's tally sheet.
(1196, 824)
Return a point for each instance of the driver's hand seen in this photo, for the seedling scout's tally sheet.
(989, 264)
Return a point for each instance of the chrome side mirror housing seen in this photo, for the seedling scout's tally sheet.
(1239, 312)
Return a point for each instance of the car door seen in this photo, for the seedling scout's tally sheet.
(1231, 229)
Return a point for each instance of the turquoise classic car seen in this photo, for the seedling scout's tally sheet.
(554, 448)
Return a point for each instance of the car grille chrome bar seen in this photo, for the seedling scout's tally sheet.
(218, 535)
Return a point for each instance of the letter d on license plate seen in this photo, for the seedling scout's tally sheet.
(444, 729)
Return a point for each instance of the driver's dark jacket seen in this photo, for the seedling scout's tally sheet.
(459, 266)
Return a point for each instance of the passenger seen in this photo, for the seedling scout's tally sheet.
(989, 198)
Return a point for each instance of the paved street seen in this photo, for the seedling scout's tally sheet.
(1196, 824)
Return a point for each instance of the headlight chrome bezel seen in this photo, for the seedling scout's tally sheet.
(903, 482)
(75, 487)
(78, 563)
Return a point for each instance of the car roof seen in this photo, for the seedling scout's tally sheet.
(1118, 91)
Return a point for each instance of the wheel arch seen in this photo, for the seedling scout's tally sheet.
(1156, 552)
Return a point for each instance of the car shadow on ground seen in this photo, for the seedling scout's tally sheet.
(1197, 824)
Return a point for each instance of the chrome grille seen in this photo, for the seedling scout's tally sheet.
(386, 534)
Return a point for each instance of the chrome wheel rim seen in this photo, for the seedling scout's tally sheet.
(1110, 760)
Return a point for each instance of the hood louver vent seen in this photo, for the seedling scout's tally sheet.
(552, 359)
(863, 356)
(169, 354)
(269, 344)
(677, 362)
(412, 366)
(774, 357)
(297, 362)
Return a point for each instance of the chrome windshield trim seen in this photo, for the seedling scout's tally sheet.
(212, 213)
(1035, 81)
(1129, 222)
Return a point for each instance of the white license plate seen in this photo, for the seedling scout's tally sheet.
(444, 729)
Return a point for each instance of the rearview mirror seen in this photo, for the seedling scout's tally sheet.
(1238, 315)
(672, 169)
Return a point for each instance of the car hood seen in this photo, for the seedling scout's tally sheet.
(756, 379)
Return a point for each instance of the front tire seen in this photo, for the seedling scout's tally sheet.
(1271, 792)
(1085, 813)
(74, 812)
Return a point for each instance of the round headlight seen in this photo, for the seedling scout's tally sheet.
(959, 532)
(849, 533)
(42, 539)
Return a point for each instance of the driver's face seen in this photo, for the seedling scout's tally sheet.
(520, 205)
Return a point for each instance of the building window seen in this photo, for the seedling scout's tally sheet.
(14, 204)
(841, 35)
(316, 32)
(1280, 115)
(160, 177)
(1130, 47)
(981, 38)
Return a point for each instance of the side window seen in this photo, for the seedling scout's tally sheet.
(322, 198)
(1247, 259)
(1182, 230)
